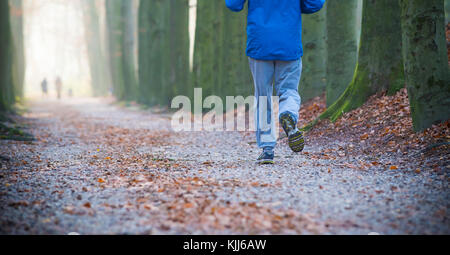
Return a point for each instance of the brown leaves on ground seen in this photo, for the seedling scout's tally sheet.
(383, 125)
(160, 189)
(311, 109)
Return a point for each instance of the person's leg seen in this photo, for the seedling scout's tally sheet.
(263, 74)
(287, 79)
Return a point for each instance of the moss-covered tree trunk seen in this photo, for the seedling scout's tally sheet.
(16, 13)
(425, 61)
(314, 34)
(95, 53)
(342, 46)
(128, 57)
(447, 11)
(208, 50)
(178, 37)
(235, 73)
(159, 52)
(220, 64)
(380, 64)
(114, 19)
(6, 82)
(163, 51)
(146, 92)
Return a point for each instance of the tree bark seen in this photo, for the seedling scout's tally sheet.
(121, 31)
(220, 64)
(163, 50)
(16, 16)
(6, 83)
(447, 11)
(314, 33)
(94, 46)
(237, 78)
(208, 53)
(114, 20)
(128, 57)
(147, 94)
(342, 46)
(425, 61)
(178, 37)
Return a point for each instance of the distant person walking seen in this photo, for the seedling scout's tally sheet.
(58, 86)
(44, 87)
(274, 48)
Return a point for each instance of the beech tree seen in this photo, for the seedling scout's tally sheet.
(380, 64)
(447, 11)
(342, 46)
(121, 52)
(97, 64)
(18, 68)
(220, 65)
(163, 50)
(314, 34)
(425, 61)
(7, 95)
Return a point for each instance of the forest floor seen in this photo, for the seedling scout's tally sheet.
(97, 168)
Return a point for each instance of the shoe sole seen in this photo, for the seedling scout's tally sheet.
(265, 162)
(297, 142)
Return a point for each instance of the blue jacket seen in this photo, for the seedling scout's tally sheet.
(274, 27)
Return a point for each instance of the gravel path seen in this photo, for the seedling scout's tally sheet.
(100, 169)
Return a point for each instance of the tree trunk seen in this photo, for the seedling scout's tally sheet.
(128, 57)
(380, 65)
(178, 79)
(236, 75)
(146, 90)
(6, 83)
(153, 50)
(114, 19)
(447, 11)
(425, 61)
(208, 47)
(163, 50)
(220, 64)
(342, 47)
(16, 13)
(314, 34)
(95, 53)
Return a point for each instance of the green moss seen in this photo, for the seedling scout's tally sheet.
(342, 47)
(397, 80)
(14, 133)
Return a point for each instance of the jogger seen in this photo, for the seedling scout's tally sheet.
(274, 48)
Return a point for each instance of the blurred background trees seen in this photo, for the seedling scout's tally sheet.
(139, 51)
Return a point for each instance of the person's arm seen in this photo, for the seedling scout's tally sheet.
(311, 6)
(235, 5)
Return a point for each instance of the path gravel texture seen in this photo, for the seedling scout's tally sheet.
(97, 168)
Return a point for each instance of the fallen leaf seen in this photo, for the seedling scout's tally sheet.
(188, 205)
(364, 137)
